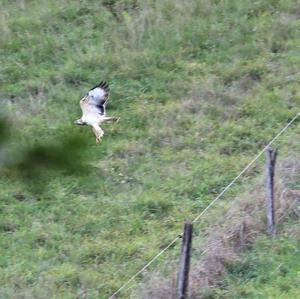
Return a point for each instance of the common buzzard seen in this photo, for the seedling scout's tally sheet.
(93, 109)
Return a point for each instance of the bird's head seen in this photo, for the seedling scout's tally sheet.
(79, 122)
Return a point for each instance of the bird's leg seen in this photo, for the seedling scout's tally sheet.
(98, 133)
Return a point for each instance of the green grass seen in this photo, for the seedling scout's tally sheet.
(270, 270)
(232, 257)
(200, 86)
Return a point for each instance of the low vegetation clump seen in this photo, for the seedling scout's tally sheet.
(200, 87)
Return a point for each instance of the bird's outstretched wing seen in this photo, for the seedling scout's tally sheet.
(95, 100)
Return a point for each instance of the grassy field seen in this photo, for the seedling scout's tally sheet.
(200, 86)
(271, 270)
(231, 256)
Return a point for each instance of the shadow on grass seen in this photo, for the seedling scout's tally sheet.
(37, 165)
(4, 131)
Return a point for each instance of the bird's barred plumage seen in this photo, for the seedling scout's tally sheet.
(93, 106)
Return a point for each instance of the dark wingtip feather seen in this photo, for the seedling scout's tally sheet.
(102, 84)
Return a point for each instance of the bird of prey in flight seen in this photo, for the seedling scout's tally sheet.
(93, 109)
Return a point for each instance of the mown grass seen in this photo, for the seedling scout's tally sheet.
(200, 86)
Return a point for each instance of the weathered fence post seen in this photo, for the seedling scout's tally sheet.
(270, 168)
(184, 267)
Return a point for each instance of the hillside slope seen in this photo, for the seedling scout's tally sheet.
(200, 86)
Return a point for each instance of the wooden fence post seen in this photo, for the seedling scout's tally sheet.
(270, 168)
(184, 267)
